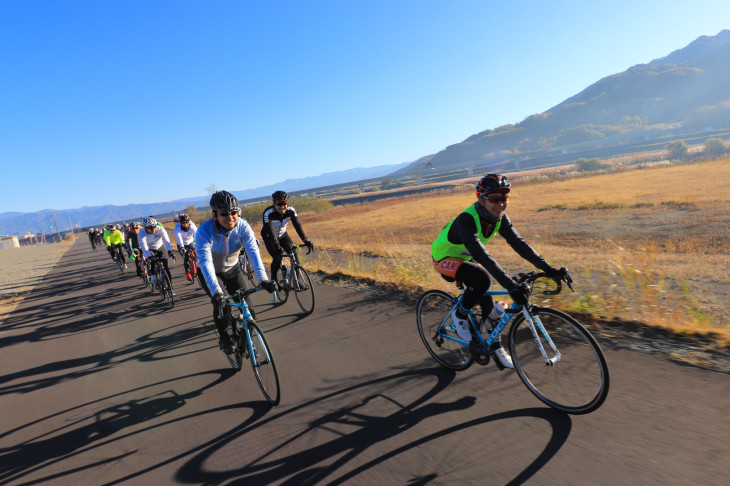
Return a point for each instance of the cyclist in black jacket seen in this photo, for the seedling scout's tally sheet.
(273, 231)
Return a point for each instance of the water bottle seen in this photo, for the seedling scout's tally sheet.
(498, 311)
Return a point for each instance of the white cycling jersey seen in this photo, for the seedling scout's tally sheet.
(153, 241)
(184, 238)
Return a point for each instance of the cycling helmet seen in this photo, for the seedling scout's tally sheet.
(492, 183)
(223, 201)
(280, 196)
(183, 218)
(136, 225)
(149, 222)
(110, 227)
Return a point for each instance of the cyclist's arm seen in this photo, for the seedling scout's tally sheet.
(519, 245)
(268, 229)
(142, 240)
(203, 248)
(297, 224)
(165, 237)
(464, 230)
(106, 237)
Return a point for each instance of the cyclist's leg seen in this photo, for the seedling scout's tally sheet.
(274, 252)
(221, 324)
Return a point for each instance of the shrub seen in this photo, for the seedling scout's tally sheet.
(588, 165)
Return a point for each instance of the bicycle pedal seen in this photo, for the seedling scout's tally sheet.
(478, 353)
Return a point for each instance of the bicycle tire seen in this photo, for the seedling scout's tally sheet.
(235, 359)
(303, 289)
(119, 260)
(578, 382)
(262, 362)
(166, 290)
(433, 309)
(283, 291)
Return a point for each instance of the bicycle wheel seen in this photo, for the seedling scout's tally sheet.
(577, 382)
(303, 289)
(283, 284)
(438, 335)
(120, 261)
(235, 359)
(262, 363)
(249, 273)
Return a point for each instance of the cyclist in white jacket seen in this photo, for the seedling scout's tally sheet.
(151, 241)
(185, 237)
(218, 243)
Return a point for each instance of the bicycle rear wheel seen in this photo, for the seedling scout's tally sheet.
(303, 289)
(577, 382)
(283, 284)
(262, 363)
(438, 335)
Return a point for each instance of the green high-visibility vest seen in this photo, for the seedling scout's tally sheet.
(442, 248)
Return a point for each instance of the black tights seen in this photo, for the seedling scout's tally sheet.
(476, 279)
(231, 281)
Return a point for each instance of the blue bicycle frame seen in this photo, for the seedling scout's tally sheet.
(533, 322)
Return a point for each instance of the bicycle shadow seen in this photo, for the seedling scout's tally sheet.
(368, 414)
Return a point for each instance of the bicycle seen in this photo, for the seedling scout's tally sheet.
(297, 280)
(249, 342)
(556, 358)
(119, 258)
(192, 260)
(247, 268)
(162, 282)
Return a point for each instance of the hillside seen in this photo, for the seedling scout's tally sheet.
(684, 91)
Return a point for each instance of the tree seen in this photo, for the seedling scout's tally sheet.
(211, 189)
(588, 165)
(193, 212)
(677, 149)
(715, 146)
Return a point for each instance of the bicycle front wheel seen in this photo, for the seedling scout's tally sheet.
(283, 291)
(576, 379)
(262, 363)
(438, 335)
(303, 290)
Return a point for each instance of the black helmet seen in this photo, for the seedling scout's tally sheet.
(492, 183)
(110, 227)
(280, 196)
(183, 218)
(223, 201)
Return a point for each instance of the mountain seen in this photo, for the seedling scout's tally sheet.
(687, 90)
(16, 223)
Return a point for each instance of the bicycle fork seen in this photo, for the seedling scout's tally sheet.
(534, 323)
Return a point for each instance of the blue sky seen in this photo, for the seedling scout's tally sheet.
(119, 102)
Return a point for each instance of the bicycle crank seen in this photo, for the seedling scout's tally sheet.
(478, 352)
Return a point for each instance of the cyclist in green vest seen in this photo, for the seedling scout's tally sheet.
(459, 254)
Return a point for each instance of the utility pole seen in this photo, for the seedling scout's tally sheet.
(56, 223)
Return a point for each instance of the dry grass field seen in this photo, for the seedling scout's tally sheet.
(650, 245)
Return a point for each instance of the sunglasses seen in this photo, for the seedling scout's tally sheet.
(225, 214)
(497, 199)
(281, 203)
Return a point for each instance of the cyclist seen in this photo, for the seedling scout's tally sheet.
(132, 242)
(113, 239)
(185, 236)
(273, 231)
(92, 238)
(151, 241)
(459, 254)
(218, 242)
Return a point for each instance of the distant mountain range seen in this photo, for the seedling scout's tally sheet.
(688, 90)
(15, 223)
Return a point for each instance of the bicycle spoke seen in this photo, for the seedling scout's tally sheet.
(440, 339)
(263, 365)
(303, 289)
(573, 381)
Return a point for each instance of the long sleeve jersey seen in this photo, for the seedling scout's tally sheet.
(275, 224)
(218, 250)
(113, 238)
(184, 238)
(154, 240)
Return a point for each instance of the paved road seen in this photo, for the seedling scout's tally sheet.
(101, 386)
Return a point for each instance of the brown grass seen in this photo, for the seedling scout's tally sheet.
(649, 244)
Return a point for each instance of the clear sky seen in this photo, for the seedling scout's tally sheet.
(119, 102)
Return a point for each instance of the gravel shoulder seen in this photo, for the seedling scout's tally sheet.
(24, 268)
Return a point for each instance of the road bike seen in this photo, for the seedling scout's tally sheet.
(119, 258)
(247, 269)
(556, 358)
(192, 260)
(296, 278)
(160, 281)
(249, 342)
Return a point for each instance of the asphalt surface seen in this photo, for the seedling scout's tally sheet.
(103, 385)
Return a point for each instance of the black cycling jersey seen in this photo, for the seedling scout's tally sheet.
(464, 231)
(274, 226)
